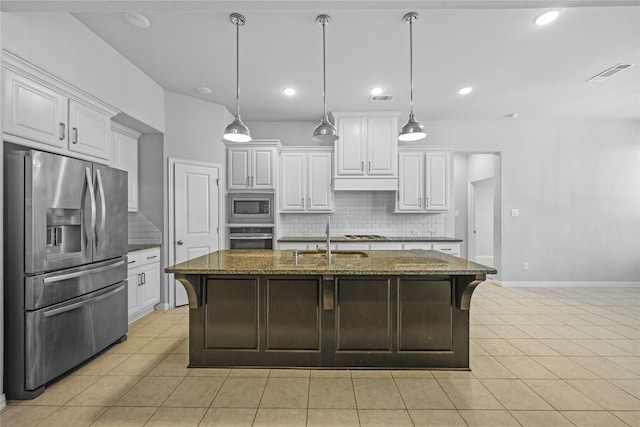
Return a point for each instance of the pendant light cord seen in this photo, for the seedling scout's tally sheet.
(324, 75)
(411, 66)
(238, 67)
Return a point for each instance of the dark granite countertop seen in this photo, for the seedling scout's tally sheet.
(267, 262)
(143, 246)
(342, 239)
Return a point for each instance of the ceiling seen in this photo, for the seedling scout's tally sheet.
(513, 65)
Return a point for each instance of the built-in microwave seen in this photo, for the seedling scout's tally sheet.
(250, 208)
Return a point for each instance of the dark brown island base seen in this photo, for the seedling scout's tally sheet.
(369, 309)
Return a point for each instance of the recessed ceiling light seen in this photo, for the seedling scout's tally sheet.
(376, 90)
(136, 19)
(289, 91)
(547, 17)
(204, 90)
(512, 116)
(465, 90)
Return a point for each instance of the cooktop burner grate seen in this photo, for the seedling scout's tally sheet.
(365, 237)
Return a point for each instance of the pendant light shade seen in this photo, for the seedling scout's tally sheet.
(325, 131)
(237, 131)
(412, 130)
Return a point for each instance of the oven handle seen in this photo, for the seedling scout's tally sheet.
(75, 274)
(70, 307)
(250, 237)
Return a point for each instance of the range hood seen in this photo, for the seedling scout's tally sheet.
(369, 183)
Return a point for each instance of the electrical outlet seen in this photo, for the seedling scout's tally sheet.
(515, 212)
(525, 266)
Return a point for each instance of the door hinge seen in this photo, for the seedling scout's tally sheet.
(217, 182)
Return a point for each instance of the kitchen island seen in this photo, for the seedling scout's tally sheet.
(366, 309)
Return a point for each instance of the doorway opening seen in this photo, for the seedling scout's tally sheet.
(477, 215)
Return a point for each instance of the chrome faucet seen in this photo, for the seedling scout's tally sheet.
(329, 239)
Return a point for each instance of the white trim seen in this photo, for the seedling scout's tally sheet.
(3, 401)
(565, 284)
(164, 306)
(171, 162)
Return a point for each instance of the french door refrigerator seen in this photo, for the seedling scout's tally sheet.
(65, 265)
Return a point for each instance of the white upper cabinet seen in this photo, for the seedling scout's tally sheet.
(43, 112)
(34, 111)
(366, 151)
(90, 131)
(305, 180)
(425, 179)
(125, 157)
(252, 166)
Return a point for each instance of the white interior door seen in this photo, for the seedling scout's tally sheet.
(483, 216)
(196, 215)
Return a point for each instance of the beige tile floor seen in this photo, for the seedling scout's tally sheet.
(539, 357)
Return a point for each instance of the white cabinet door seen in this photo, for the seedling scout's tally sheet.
(238, 168)
(125, 157)
(34, 111)
(437, 181)
(90, 131)
(411, 179)
(382, 135)
(351, 149)
(318, 180)
(150, 288)
(448, 248)
(133, 281)
(262, 168)
(292, 182)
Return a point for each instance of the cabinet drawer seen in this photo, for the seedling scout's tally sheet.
(448, 248)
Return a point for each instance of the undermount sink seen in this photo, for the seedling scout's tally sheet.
(334, 254)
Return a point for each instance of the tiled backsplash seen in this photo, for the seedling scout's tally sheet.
(363, 212)
(142, 231)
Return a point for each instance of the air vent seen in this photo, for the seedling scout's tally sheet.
(375, 98)
(609, 72)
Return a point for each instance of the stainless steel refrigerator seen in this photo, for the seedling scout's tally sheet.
(65, 265)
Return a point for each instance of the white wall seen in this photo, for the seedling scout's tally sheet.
(289, 133)
(61, 45)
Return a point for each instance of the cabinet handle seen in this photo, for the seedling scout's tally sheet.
(369, 167)
(139, 279)
(152, 257)
(309, 202)
(362, 166)
(246, 183)
(74, 138)
(420, 201)
(445, 249)
(61, 130)
(302, 201)
(427, 204)
(252, 181)
(131, 262)
(144, 278)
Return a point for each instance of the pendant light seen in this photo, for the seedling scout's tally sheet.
(325, 131)
(237, 131)
(412, 130)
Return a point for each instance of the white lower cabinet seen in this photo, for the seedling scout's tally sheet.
(143, 282)
(447, 248)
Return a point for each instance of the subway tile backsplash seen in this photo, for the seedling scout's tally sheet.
(142, 231)
(363, 212)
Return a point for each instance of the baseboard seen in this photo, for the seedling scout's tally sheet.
(164, 306)
(564, 284)
(3, 401)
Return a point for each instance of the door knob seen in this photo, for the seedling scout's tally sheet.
(180, 242)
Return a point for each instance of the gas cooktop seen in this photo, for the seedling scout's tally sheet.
(365, 237)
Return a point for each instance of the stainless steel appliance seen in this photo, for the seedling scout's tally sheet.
(65, 265)
(250, 208)
(243, 237)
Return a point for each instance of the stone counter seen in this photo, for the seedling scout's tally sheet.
(284, 262)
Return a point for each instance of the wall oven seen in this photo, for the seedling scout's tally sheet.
(249, 208)
(243, 237)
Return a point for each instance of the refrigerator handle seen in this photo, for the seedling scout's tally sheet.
(87, 175)
(103, 208)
